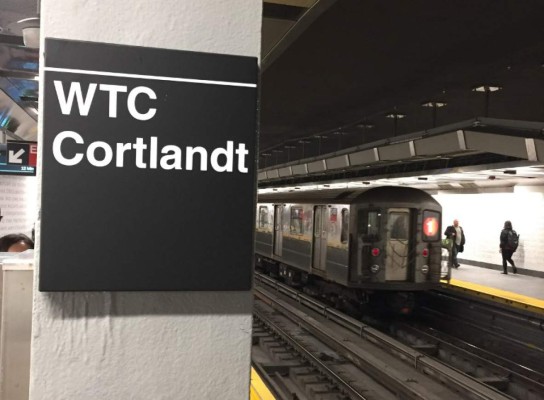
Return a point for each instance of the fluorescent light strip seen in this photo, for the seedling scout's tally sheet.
(151, 77)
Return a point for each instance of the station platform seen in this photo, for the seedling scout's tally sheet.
(258, 389)
(520, 291)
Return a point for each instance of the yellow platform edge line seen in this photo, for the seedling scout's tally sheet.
(515, 299)
(258, 390)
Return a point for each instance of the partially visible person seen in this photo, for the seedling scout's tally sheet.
(457, 235)
(15, 243)
(508, 246)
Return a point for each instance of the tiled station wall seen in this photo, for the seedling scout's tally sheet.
(17, 204)
(482, 217)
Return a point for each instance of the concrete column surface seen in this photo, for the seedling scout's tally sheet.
(145, 345)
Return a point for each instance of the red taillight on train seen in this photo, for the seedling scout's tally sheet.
(375, 252)
(425, 253)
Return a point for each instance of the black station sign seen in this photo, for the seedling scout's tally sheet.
(148, 179)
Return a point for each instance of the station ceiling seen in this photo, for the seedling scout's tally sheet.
(363, 70)
(338, 74)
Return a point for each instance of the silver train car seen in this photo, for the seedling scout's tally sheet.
(383, 239)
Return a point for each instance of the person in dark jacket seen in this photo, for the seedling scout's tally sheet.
(457, 235)
(15, 243)
(506, 250)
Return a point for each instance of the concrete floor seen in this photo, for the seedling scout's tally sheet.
(522, 284)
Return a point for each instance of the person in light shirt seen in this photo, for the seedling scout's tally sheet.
(457, 235)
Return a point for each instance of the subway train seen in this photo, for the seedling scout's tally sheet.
(376, 246)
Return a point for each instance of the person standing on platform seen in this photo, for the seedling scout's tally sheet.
(15, 243)
(508, 246)
(456, 234)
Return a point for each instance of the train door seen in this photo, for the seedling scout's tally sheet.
(397, 242)
(278, 230)
(319, 256)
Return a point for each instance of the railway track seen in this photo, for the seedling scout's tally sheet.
(510, 334)
(502, 348)
(362, 362)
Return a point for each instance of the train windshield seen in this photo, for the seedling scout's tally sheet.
(369, 223)
(398, 225)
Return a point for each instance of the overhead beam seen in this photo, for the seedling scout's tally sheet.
(318, 8)
(296, 3)
(426, 147)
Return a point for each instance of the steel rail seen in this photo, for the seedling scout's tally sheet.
(456, 380)
(301, 349)
(479, 359)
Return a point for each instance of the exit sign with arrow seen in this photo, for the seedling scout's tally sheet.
(18, 158)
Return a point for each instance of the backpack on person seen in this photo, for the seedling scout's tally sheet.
(512, 240)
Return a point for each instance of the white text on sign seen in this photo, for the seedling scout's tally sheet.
(167, 157)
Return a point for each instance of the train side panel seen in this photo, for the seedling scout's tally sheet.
(337, 256)
(296, 230)
(264, 228)
(384, 239)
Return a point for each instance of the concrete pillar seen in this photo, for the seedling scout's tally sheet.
(145, 345)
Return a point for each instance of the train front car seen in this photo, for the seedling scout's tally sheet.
(365, 248)
(395, 245)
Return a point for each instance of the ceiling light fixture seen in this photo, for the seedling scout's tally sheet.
(31, 31)
(395, 115)
(319, 137)
(434, 104)
(487, 88)
(304, 142)
(289, 148)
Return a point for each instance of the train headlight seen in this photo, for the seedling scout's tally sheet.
(444, 263)
(375, 268)
(425, 269)
(445, 258)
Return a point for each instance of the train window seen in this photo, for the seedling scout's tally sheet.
(345, 222)
(398, 225)
(368, 224)
(431, 226)
(263, 217)
(297, 226)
